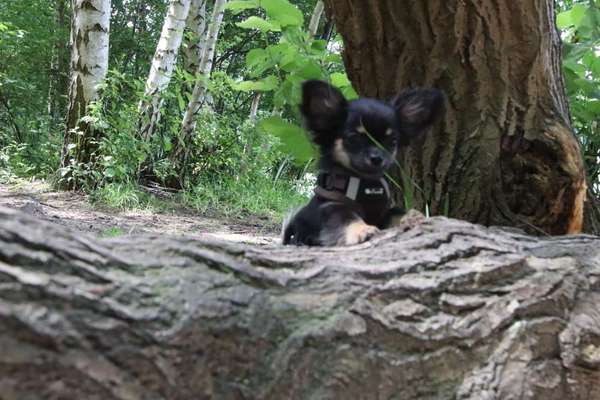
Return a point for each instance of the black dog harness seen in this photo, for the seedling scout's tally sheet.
(371, 196)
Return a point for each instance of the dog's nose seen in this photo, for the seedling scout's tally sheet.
(376, 160)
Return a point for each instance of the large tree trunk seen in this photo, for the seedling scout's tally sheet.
(436, 309)
(90, 26)
(162, 66)
(505, 154)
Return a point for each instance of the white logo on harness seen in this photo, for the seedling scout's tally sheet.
(376, 191)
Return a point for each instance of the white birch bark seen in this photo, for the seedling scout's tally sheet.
(163, 63)
(90, 25)
(194, 44)
(189, 119)
(54, 78)
(313, 25)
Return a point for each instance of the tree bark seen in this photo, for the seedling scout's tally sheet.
(55, 77)
(90, 25)
(505, 153)
(162, 66)
(195, 42)
(188, 125)
(315, 19)
(435, 309)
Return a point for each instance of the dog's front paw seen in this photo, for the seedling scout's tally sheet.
(358, 232)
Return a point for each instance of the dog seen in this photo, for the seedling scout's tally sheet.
(358, 141)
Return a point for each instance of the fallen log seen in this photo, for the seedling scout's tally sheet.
(434, 309)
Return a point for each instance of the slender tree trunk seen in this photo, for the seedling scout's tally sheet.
(251, 132)
(505, 154)
(11, 118)
(162, 66)
(204, 70)
(315, 19)
(55, 77)
(195, 42)
(90, 27)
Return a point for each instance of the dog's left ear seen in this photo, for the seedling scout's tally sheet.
(417, 110)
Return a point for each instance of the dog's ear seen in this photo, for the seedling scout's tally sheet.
(417, 110)
(324, 109)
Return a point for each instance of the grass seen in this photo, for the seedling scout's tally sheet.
(112, 232)
(239, 197)
(226, 197)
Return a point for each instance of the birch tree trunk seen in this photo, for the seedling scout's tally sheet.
(194, 43)
(435, 309)
(163, 64)
(204, 69)
(505, 154)
(55, 77)
(90, 27)
(315, 19)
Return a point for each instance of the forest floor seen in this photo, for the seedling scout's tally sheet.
(75, 211)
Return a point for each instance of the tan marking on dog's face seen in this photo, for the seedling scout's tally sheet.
(389, 132)
(340, 155)
(358, 232)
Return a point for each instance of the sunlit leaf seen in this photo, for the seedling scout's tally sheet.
(293, 139)
(260, 24)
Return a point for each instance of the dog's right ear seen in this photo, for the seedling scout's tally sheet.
(324, 109)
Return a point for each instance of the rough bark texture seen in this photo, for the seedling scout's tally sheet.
(195, 40)
(162, 65)
(56, 83)
(436, 309)
(505, 153)
(190, 117)
(90, 25)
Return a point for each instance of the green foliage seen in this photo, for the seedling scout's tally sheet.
(114, 231)
(256, 195)
(580, 24)
(121, 196)
(292, 139)
(286, 57)
(233, 164)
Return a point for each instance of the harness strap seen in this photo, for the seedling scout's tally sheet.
(343, 187)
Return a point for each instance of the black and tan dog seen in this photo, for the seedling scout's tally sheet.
(358, 141)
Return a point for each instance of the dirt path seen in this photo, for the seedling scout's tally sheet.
(73, 210)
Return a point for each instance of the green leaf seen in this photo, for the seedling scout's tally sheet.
(293, 140)
(283, 12)
(258, 61)
(181, 102)
(264, 85)
(319, 46)
(564, 19)
(310, 69)
(577, 13)
(289, 92)
(339, 79)
(260, 24)
(240, 5)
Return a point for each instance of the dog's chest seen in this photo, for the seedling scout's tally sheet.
(373, 198)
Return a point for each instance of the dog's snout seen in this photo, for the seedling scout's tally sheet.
(376, 160)
(375, 157)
